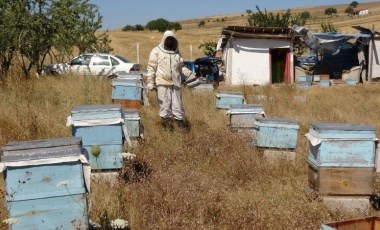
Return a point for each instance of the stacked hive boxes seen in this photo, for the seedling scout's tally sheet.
(242, 117)
(225, 99)
(101, 129)
(46, 183)
(341, 159)
(304, 81)
(127, 90)
(132, 125)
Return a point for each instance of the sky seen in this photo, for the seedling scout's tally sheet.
(119, 13)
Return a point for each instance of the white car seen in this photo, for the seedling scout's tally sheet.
(95, 64)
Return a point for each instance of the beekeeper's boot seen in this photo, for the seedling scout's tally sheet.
(183, 124)
(167, 123)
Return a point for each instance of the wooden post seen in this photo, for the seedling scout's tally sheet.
(371, 47)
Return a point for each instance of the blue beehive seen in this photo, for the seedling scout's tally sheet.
(45, 184)
(341, 145)
(243, 116)
(304, 84)
(305, 78)
(275, 133)
(132, 122)
(127, 88)
(225, 99)
(324, 83)
(100, 127)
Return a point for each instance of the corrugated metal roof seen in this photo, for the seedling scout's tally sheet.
(259, 32)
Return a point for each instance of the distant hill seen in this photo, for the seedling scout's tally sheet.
(191, 36)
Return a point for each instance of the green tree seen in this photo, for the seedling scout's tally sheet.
(129, 28)
(330, 11)
(349, 10)
(268, 19)
(160, 24)
(248, 12)
(305, 15)
(209, 48)
(354, 4)
(139, 27)
(174, 26)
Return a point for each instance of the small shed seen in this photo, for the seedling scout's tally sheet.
(257, 55)
(46, 184)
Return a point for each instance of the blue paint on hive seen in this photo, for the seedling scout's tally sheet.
(341, 145)
(108, 137)
(275, 133)
(128, 89)
(44, 188)
(225, 99)
(324, 83)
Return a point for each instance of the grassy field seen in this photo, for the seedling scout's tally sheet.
(211, 177)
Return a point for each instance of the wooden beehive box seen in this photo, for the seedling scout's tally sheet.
(341, 180)
(45, 184)
(127, 91)
(100, 127)
(275, 133)
(243, 116)
(341, 145)
(367, 223)
(132, 122)
(225, 99)
(205, 87)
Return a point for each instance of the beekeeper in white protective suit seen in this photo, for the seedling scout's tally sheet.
(164, 69)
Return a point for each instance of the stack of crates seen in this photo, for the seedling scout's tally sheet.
(277, 136)
(341, 159)
(127, 90)
(101, 129)
(225, 99)
(46, 184)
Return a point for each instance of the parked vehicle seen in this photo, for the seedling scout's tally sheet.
(95, 64)
(206, 67)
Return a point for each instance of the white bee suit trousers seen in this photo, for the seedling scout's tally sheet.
(170, 102)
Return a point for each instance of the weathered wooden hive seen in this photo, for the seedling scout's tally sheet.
(278, 133)
(367, 223)
(341, 158)
(127, 90)
(100, 127)
(132, 122)
(46, 184)
(225, 99)
(243, 116)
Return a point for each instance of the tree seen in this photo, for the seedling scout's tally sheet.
(174, 26)
(305, 15)
(248, 12)
(354, 4)
(160, 24)
(139, 27)
(330, 11)
(209, 48)
(349, 10)
(268, 19)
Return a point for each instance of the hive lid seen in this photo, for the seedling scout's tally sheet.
(277, 120)
(341, 127)
(42, 149)
(229, 94)
(129, 76)
(96, 108)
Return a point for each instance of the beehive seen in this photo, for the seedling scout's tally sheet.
(225, 99)
(132, 122)
(100, 127)
(243, 116)
(366, 223)
(275, 133)
(45, 183)
(341, 145)
(127, 91)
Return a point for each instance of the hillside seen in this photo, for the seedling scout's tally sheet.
(191, 36)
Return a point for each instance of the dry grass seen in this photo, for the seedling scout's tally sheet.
(210, 178)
